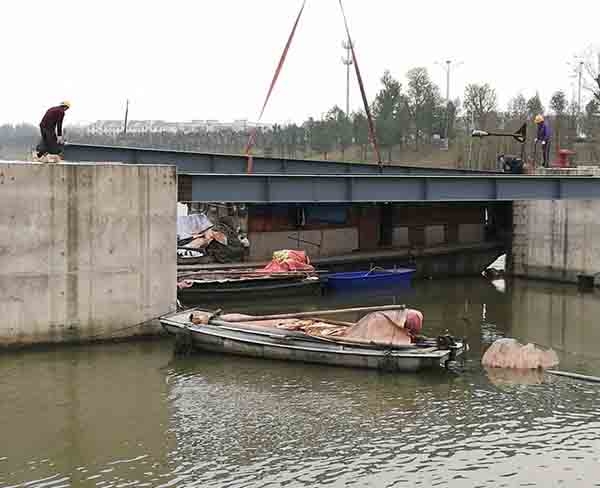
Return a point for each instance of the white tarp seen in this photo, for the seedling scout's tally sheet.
(182, 210)
(194, 224)
(499, 265)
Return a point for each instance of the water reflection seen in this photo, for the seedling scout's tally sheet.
(560, 317)
(132, 415)
(75, 415)
(503, 377)
(239, 424)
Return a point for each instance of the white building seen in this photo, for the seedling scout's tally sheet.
(105, 127)
(115, 127)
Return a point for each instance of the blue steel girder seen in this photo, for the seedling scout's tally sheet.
(197, 162)
(278, 188)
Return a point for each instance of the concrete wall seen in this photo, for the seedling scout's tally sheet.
(469, 233)
(556, 240)
(400, 237)
(436, 235)
(85, 250)
(327, 242)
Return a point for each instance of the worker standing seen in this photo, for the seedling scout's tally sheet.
(51, 130)
(544, 135)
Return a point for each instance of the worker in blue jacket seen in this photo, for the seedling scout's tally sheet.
(544, 135)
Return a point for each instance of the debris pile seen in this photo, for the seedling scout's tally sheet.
(201, 241)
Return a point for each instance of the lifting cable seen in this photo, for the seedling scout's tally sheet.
(372, 134)
(371, 125)
(252, 138)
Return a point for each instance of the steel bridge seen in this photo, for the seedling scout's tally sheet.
(223, 178)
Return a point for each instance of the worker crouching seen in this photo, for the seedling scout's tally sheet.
(51, 132)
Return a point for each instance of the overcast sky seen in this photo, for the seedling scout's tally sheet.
(201, 59)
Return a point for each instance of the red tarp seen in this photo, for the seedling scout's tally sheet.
(287, 260)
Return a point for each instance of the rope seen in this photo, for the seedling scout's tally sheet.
(252, 138)
(129, 327)
(372, 134)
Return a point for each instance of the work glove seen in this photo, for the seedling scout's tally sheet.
(536, 141)
(543, 143)
(60, 139)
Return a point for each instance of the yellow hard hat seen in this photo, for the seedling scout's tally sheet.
(539, 119)
(65, 103)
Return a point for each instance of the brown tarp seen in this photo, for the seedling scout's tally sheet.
(384, 328)
(380, 328)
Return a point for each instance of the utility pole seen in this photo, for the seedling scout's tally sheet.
(447, 66)
(579, 83)
(347, 45)
(126, 116)
(580, 76)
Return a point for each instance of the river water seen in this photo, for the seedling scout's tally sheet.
(133, 415)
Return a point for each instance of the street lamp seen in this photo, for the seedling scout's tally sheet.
(347, 61)
(447, 66)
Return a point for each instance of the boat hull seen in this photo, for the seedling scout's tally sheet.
(360, 280)
(278, 346)
(232, 290)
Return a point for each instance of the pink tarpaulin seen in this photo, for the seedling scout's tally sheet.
(385, 328)
(510, 353)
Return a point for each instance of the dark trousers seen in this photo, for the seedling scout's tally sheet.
(546, 153)
(49, 142)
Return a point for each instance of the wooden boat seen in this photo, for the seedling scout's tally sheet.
(193, 260)
(245, 338)
(376, 278)
(193, 287)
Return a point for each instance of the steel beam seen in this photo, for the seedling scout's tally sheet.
(196, 162)
(388, 188)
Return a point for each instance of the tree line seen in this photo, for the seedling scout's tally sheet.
(413, 122)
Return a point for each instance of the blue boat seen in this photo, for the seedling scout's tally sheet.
(376, 278)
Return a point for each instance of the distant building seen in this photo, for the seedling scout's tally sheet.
(105, 127)
(115, 127)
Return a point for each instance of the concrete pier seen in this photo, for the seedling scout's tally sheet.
(87, 251)
(557, 240)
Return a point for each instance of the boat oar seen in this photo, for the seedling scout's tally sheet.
(318, 313)
(575, 376)
(341, 323)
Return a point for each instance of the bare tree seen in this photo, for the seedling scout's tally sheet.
(559, 105)
(423, 96)
(591, 70)
(534, 106)
(517, 107)
(480, 101)
(558, 102)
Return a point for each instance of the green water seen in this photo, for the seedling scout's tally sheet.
(133, 415)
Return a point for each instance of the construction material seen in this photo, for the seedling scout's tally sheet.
(575, 376)
(318, 313)
(520, 135)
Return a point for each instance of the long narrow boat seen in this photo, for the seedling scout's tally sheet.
(248, 339)
(196, 287)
